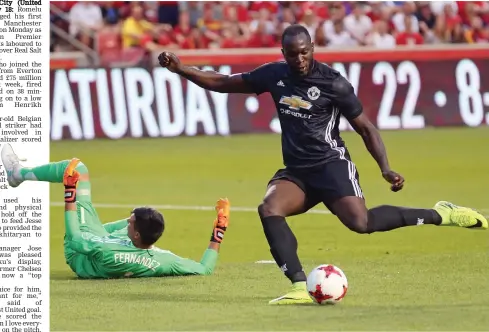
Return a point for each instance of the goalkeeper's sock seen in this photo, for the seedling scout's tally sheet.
(52, 172)
(283, 246)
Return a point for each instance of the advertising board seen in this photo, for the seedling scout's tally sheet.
(409, 92)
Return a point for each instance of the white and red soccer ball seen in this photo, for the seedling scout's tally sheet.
(327, 284)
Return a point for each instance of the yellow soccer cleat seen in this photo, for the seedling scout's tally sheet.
(454, 215)
(298, 295)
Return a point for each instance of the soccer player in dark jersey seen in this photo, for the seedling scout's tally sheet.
(310, 97)
(118, 249)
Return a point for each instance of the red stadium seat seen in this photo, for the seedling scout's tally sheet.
(108, 40)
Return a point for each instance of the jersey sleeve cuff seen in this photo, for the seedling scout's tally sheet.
(354, 115)
(247, 77)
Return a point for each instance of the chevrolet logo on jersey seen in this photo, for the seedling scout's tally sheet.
(295, 103)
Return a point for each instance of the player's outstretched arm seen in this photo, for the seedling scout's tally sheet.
(207, 264)
(372, 140)
(74, 238)
(70, 182)
(351, 107)
(221, 224)
(208, 80)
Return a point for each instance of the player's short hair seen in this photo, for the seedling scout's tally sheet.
(149, 223)
(295, 30)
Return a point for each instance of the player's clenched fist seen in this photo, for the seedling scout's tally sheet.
(395, 179)
(170, 61)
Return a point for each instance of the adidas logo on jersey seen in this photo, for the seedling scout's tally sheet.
(280, 83)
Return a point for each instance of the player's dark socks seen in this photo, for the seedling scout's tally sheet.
(283, 246)
(386, 217)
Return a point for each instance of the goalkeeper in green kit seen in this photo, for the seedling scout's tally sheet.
(123, 248)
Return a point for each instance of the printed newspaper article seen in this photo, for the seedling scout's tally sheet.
(24, 124)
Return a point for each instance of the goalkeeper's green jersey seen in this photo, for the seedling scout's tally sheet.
(109, 253)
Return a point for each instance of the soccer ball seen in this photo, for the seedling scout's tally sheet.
(327, 284)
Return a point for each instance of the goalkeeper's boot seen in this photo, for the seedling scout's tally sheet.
(454, 215)
(12, 165)
(298, 295)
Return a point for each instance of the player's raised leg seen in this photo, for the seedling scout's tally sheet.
(340, 189)
(354, 214)
(56, 172)
(51, 172)
(284, 198)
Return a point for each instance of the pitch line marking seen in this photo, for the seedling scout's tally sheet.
(179, 207)
(196, 207)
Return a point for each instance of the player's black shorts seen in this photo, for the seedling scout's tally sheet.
(325, 183)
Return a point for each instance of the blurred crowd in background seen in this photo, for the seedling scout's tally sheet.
(123, 25)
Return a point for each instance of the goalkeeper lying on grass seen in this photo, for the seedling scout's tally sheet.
(121, 248)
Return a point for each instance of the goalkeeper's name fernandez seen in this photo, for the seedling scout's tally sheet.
(123, 248)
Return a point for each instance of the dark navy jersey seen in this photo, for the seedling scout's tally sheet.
(309, 110)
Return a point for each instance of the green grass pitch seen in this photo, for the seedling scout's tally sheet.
(416, 278)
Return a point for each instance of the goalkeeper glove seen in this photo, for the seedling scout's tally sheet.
(220, 227)
(222, 221)
(70, 181)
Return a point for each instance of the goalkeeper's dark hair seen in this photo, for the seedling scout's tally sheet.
(149, 223)
(295, 30)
